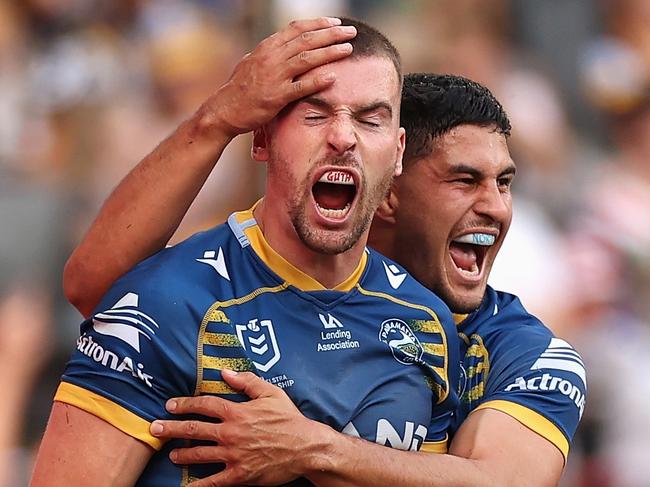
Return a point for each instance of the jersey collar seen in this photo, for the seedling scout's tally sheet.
(247, 231)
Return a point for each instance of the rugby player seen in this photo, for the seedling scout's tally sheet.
(445, 218)
(287, 288)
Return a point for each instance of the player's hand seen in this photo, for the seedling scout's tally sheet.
(266, 441)
(265, 80)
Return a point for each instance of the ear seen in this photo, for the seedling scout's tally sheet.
(400, 151)
(388, 207)
(260, 148)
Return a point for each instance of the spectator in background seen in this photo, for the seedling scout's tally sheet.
(187, 55)
(611, 255)
(65, 64)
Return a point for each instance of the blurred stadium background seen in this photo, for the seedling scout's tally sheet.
(88, 87)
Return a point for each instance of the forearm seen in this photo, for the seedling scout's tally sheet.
(354, 462)
(490, 449)
(145, 209)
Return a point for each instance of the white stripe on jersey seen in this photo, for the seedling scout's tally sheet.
(560, 355)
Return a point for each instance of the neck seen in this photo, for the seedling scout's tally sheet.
(382, 238)
(329, 270)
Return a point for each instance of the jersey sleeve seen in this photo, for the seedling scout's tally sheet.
(437, 440)
(541, 382)
(135, 352)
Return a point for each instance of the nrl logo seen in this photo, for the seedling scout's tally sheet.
(259, 340)
(403, 343)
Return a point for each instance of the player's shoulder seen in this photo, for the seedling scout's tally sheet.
(387, 276)
(187, 259)
(204, 247)
(514, 339)
(190, 271)
(503, 317)
(517, 341)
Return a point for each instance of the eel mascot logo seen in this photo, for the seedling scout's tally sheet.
(403, 343)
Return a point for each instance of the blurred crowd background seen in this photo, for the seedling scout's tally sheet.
(88, 87)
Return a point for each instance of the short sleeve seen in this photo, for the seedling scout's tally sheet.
(542, 383)
(135, 352)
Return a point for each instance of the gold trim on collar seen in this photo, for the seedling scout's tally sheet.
(458, 318)
(287, 271)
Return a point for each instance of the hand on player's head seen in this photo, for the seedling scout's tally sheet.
(279, 71)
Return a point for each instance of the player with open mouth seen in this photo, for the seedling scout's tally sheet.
(468, 253)
(335, 193)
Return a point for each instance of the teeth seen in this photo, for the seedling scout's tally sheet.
(337, 177)
(472, 272)
(477, 239)
(329, 213)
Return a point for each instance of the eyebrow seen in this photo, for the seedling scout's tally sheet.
(356, 110)
(477, 173)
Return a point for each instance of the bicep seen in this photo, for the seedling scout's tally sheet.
(508, 449)
(81, 449)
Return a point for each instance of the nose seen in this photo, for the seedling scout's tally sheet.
(341, 135)
(494, 203)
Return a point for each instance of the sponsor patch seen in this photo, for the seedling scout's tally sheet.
(549, 383)
(90, 348)
(334, 336)
(125, 322)
(559, 355)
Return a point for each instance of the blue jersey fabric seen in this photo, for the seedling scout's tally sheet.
(513, 363)
(369, 358)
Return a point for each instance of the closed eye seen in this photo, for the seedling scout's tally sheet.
(370, 122)
(315, 118)
(467, 181)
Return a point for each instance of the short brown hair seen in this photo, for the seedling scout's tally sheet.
(370, 42)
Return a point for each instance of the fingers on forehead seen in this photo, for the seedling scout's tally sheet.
(307, 60)
(298, 27)
(318, 39)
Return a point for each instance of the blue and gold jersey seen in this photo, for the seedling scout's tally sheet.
(513, 363)
(370, 358)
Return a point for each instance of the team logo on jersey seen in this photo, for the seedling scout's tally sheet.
(402, 341)
(218, 263)
(125, 322)
(258, 338)
(394, 275)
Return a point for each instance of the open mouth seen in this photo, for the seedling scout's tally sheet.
(334, 193)
(468, 252)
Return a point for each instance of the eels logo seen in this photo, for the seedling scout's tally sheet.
(403, 343)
